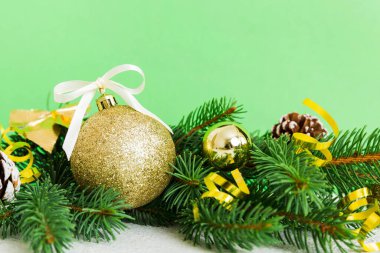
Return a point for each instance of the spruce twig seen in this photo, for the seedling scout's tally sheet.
(155, 214)
(368, 158)
(327, 227)
(8, 223)
(206, 123)
(97, 213)
(44, 218)
(296, 185)
(356, 161)
(189, 172)
(244, 226)
(189, 131)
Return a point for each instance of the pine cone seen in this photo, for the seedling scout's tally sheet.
(9, 178)
(299, 123)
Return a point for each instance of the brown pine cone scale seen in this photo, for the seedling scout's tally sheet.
(299, 123)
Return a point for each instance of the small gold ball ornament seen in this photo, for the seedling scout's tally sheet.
(227, 145)
(122, 148)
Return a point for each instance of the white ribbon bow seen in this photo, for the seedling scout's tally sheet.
(70, 90)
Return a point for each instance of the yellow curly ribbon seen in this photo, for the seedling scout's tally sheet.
(213, 179)
(356, 200)
(239, 191)
(309, 143)
(29, 173)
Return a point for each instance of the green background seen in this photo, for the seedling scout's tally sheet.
(269, 55)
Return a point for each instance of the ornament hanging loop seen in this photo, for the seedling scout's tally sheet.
(99, 82)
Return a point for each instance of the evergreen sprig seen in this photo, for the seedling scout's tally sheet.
(244, 226)
(357, 146)
(290, 200)
(356, 162)
(289, 176)
(328, 228)
(187, 184)
(59, 170)
(189, 131)
(44, 217)
(8, 223)
(98, 213)
(155, 214)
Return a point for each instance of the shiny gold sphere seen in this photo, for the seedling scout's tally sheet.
(227, 145)
(124, 149)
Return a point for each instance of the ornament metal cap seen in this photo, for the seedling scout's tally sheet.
(106, 101)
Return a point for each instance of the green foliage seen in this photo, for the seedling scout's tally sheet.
(356, 143)
(290, 177)
(44, 217)
(290, 200)
(356, 161)
(213, 110)
(187, 184)
(153, 214)
(244, 226)
(59, 170)
(8, 223)
(327, 227)
(98, 213)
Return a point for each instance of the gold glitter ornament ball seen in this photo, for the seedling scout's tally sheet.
(124, 149)
(227, 145)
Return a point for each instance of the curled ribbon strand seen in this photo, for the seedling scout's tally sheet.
(309, 143)
(239, 191)
(212, 180)
(357, 200)
(29, 173)
(70, 90)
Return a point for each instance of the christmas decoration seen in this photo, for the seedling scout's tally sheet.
(299, 123)
(41, 127)
(124, 149)
(227, 145)
(29, 172)
(9, 178)
(297, 190)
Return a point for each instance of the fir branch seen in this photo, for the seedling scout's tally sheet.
(189, 131)
(356, 146)
(153, 214)
(98, 213)
(243, 226)
(369, 158)
(327, 226)
(44, 219)
(189, 172)
(59, 170)
(356, 161)
(8, 223)
(206, 123)
(348, 177)
(289, 176)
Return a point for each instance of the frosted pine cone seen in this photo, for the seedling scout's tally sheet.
(299, 123)
(9, 178)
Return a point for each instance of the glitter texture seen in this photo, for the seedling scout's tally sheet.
(127, 150)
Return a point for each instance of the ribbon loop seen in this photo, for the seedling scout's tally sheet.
(239, 190)
(309, 143)
(70, 90)
(357, 200)
(29, 173)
